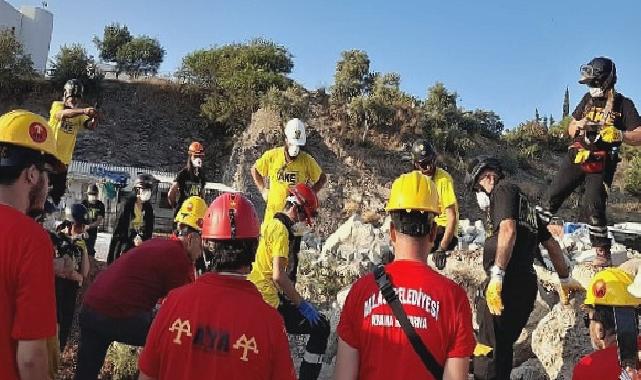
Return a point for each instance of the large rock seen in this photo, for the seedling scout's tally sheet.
(532, 369)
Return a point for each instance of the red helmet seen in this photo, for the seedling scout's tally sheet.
(196, 148)
(231, 216)
(304, 196)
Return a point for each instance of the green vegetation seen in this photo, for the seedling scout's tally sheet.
(73, 62)
(16, 68)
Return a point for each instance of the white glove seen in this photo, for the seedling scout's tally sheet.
(137, 240)
(264, 192)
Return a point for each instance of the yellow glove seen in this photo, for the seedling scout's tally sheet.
(568, 286)
(482, 350)
(493, 291)
(610, 134)
(581, 156)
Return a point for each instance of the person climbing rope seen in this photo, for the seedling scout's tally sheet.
(424, 158)
(275, 270)
(423, 329)
(603, 120)
(507, 298)
(225, 329)
(118, 306)
(66, 119)
(135, 223)
(612, 319)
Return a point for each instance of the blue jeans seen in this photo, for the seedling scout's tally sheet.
(97, 331)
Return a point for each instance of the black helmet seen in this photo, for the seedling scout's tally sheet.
(92, 190)
(423, 151)
(477, 165)
(144, 181)
(79, 213)
(73, 88)
(599, 73)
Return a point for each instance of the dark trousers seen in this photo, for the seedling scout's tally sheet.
(58, 183)
(501, 332)
(118, 246)
(92, 236)
(97, 331)
(295, 323)
(593, 201)
(66, 294)
(440, 232)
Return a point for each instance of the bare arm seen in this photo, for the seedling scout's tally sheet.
(32, 359)
(346, 362)
(557, 257)
(450, 229)
(97, 223)
(172, 194)
(142, 376)
(456, 369)
(259, 180)
(320, 183)
(574, 126)
(73, 112)
(279, 276)
(633, 137)
(505, 244)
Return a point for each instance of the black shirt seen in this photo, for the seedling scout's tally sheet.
(189, 184)
(94, 210)
(507, 201)
(624, 113)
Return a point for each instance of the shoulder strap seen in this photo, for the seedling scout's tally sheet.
(387, 289)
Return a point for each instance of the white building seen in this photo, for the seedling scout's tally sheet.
(33, 27)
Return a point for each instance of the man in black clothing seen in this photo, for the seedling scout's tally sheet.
(514, 233)
(191, 180)
(602, 121)
(96, 215)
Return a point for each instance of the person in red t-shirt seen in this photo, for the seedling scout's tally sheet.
(371, 344)
(609, 298)
(27, 298)
(118, 306)
(220, 327)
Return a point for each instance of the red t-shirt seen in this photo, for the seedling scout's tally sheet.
(27, 296)
(437, 307)
(600, 365)
(135, 282)
(217, 328)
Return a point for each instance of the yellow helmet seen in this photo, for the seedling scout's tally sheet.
(29, 130)
(609, 287)
(413, 192)
(192, 212)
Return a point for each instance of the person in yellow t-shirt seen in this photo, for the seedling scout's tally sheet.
(424, 159)
(278, 169)
(66, 119)
(274, 272)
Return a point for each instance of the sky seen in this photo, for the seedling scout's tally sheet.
(510, 56)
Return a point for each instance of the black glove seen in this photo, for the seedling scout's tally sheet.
(440, 258)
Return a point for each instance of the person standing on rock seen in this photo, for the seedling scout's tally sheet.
(424, 159)
(219, 327)
(67, 119)
(612, 318)
(118, 306)
(27, 297)
(514, 232)
(135, 223)
(603, 120)
(96, 212)
(274, 272)
(372, 345)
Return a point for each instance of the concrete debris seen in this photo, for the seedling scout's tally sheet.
(532, 369)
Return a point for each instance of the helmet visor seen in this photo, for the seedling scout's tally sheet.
(588, 74)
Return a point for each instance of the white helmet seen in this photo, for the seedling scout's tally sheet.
(295, 132)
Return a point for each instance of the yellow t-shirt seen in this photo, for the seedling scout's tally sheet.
(281, 175)
(274, 242)
(136, 222)
(446, 194)
(65, 131)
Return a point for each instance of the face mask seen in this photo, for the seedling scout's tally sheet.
(483, 200)
(145, 195)
(92, 198)
(596, 92)
(293, 150)
(197, 162)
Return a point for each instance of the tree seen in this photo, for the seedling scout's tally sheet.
(352, 77)
(71, 62)
(141, 55)
(551, 120)
(16, 68)
(537, 118)
(235, 77)
(566, 103)
(114, 37)
(289, 103)
(440, 105)
(545, 122)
